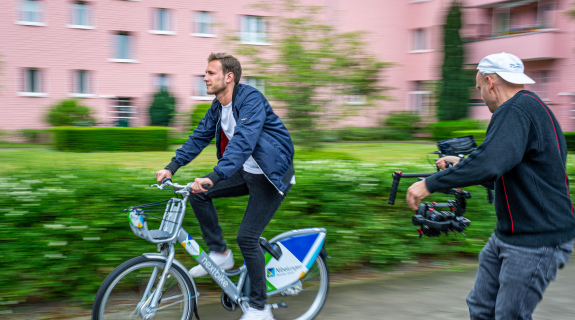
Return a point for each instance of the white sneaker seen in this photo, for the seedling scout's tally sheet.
(224, 261)
(256, 314)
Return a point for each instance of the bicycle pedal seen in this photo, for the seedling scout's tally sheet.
(278, 305)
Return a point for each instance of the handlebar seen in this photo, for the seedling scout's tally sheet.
(397, 175)
(178, 188)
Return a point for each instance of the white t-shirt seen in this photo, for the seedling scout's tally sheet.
(228, 125)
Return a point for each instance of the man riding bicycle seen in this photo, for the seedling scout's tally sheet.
(255, 157)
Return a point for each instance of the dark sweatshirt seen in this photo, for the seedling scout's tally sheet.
(523, 157)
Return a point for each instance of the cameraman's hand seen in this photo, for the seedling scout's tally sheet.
(160, 175)
(442, 162)
(415, 193)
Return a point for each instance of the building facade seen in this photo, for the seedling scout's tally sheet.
(114, 54)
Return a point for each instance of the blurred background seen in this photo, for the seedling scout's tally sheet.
(96, 95)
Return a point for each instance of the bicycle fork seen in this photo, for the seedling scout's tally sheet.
(148, 306)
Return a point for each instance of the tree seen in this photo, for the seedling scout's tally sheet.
(162, 108)
(454, 92)
(309, 66)
(69, 112)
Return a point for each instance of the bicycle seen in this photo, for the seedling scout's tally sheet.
(156, 285)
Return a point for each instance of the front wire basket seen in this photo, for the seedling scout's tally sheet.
(145, 216)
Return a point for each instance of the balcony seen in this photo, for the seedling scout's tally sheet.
(527, 44)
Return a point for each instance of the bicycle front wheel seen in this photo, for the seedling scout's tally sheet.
(304, 299)
(124, 292)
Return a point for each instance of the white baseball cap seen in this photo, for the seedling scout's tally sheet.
(507, 66)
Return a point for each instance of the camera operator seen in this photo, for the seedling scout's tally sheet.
(523, 159)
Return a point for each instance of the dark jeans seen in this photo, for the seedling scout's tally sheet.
(263, 203)
(511, 280)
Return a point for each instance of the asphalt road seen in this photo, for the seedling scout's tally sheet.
(435, 294)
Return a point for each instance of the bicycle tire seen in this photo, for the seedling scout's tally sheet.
(123, 288)
(306, 304)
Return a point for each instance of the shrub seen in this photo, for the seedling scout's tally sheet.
(69, 112)
(38, 136)
(405, 124)
(570, 139)
(443, 130)
(363, 134)
(162, 109)
(111, 139)
(197, 114)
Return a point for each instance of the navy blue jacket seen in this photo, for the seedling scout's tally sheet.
(523, 158)
(259, 132)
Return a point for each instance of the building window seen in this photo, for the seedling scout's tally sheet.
(31, 11)
(161, 82)
(501, 22)
(256, 83)
(80, 14)
(420, 42)
(546, 14)
(202, 24)
(123, 45)
(162, 20)
(199, 89)
(420, 98)
(122, 111)
(541, 85)
(32, 81)
(253, 30)
(81, 82)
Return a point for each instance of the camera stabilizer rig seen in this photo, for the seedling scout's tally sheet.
(430, 219)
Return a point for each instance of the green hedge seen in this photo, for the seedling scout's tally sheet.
(64, 230)
(479, 135)
(570, 139)
(111, 139)
(444, 129)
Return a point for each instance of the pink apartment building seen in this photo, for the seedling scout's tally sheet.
(114, 54)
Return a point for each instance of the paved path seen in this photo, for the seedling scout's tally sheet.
(414, 295)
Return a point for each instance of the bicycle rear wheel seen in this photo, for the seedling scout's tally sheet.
(122, 292)
(306, 297)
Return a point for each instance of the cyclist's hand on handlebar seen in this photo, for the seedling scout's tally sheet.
(162, 174)
(197, 185)
(415, 193)
(442, 162)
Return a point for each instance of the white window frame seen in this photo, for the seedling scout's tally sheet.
(80, 15)
(118, 45)
(161, 80)
(82, 84)
(203, 21)
(421, 96)
(420, 40)
(162, 21)
(33, 87)
(253, 30)
(199, 89)
(30, 8)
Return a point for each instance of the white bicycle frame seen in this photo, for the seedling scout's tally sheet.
(171, 231)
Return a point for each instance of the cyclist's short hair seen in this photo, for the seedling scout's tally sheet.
(229, 64)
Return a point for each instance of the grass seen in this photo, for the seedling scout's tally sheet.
(383, 152)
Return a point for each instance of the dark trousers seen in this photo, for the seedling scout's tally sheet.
(264, 200)
(511, 280)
